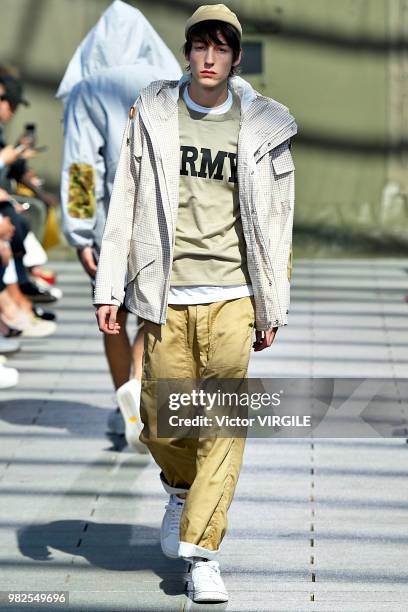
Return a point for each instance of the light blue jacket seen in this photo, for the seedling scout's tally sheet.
(121, 55)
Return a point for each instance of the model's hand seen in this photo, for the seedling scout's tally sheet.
(264, 339)
(87, 259)
(106, 315)
(8, 155)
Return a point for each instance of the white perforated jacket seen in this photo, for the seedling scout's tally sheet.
(139, 234)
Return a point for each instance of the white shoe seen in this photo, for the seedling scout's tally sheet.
(170, 527)
(8, 377)
(128, 398)
(205, 582)
(56, 292)
(38, 328)
(31, 326)
(115, 423)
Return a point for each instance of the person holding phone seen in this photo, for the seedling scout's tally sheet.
(11, 97)
(14, 169)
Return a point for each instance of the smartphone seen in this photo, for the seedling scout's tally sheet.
(40, 149)
(31, 128)
(30, 134)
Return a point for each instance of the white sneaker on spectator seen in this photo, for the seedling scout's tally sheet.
(31, 326)
(8, 377)
(56, 292)
(128, 398)
(205, 582)
(170, 527)
(115, 423)
(38, 328)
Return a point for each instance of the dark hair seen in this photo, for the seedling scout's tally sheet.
(208, 31)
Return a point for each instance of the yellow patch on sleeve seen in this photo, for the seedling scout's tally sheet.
(81, 195)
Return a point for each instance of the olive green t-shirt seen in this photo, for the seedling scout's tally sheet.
(210, 247)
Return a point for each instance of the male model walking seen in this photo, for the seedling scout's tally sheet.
(201, 220)
(118, 57)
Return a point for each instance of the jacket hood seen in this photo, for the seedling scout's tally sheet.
(122, 37)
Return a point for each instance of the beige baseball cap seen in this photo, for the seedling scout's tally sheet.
(218, 12)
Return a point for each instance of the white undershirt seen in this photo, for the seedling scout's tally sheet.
(204, 294)
(212, 110)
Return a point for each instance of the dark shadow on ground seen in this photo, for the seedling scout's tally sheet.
(76, 417)
(109, 546)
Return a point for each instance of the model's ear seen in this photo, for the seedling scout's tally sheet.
(238, 60)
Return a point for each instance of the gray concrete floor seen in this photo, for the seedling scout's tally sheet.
(315, 525)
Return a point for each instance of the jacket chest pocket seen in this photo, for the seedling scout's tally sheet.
(275, 181)
(283, 168)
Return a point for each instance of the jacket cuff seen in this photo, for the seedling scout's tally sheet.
(110, 277)
(100, 298)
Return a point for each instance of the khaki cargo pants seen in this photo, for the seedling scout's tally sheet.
(200, 341)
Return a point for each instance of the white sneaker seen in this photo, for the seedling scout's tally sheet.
(128, 398)
(37, 328)
(31, 326)
(170, 527)
(115, 423)
(56, 292)
(205, 582)
(8, 377)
